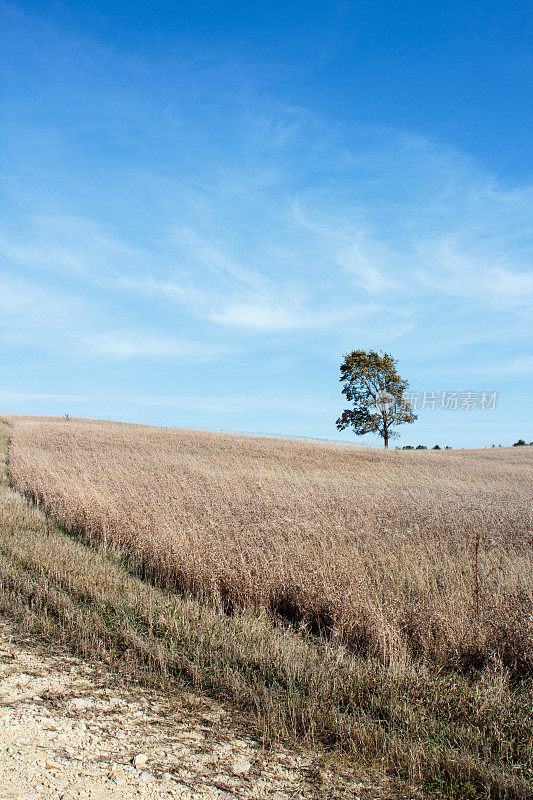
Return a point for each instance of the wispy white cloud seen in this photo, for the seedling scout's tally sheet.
(404, 222)
(246, 298)
(488, 278)
(21, 298)
(520, 365)
(34, 315)
(369, 269)
(214, 256)
(227, 404)
(55, 321)
(72, 246)
(120, 345)
(184, 294)
(515, 286)
(261, 316)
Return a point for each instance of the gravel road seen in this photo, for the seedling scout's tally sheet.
(71, 729)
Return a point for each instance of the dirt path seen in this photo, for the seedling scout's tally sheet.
(71, 729)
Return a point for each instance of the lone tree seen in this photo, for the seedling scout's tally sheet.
(373, 386)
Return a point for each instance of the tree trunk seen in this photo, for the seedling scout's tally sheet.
(386, 439)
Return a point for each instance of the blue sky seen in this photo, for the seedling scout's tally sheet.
(203, 207)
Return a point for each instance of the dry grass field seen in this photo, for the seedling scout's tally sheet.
(427, 551)
(414, 568)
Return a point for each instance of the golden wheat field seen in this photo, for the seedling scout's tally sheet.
(424, 552)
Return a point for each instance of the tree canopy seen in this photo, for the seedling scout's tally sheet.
(376, 391)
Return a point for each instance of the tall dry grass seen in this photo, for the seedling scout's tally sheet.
(461, 736)
(425, 553)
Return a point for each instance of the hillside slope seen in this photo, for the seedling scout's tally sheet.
(431, 550)
(431, 697)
